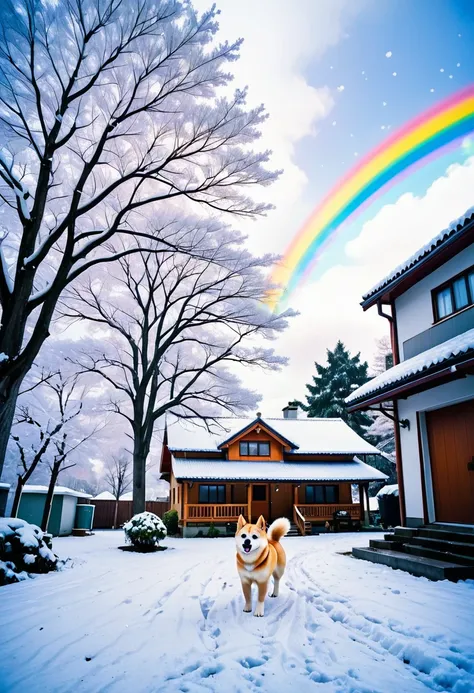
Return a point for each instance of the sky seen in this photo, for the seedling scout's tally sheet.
(337, 78)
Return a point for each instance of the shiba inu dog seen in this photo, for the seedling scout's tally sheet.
(259, 556)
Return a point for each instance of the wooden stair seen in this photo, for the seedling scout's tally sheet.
(438, 552)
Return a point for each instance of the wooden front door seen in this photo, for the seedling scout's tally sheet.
(451, 443)
(260, 501)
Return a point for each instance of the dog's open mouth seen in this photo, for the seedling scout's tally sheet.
(247, 549)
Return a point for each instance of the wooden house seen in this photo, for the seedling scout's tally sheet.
(300, 468)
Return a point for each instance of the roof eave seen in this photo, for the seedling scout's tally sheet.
(418, 383)
(455, 243)
(249, 426)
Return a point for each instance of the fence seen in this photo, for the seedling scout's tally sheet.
(105, 511)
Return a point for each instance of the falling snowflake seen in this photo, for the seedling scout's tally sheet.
(431, 90)
(394, 74)
(352, 134)
(341, 88)
(459, 35)
(450, 76)
(458, 64)
(384, 103)
(382, 127)
(441, 69)
(356, 153)
(333, 122)
(363, 72)
(388, 54)
(331, 67)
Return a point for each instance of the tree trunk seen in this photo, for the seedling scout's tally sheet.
(16, 501)
(48, 504)
(139, 479)
(114, 526)
(7, 412)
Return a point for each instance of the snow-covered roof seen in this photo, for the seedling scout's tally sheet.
(105, 495)
(454, 228)
(58, 491)
(2, 485)
(390, 490)
(461, 344)
(224, 470)
(312, 436)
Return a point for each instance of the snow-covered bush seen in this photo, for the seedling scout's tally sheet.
(24, 549)
(145, 529)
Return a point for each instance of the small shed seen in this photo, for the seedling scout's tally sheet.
(63, 509)
(4, 490)
(105, 495)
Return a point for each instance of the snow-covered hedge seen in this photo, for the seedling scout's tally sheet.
(145, 529)
(24, 549)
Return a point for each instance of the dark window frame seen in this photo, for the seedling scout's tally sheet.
(259, 487)
(450, 285)
(258, 443)
(209, 502)
(323, 487)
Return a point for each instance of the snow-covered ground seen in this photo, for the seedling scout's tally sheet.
(173, 621)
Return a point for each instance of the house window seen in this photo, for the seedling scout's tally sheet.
(454, 296)
(322, 494)
(251, 449)
(211, 494)
(259, 493)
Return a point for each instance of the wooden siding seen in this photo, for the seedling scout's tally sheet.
(276, 449)
(451, 445)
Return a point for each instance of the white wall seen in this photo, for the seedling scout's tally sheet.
(414, 308)
(438, 397)
(68, 515)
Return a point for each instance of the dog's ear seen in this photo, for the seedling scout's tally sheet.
(241, 522)
(261, 522)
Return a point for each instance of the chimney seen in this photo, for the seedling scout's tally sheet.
(290, 411)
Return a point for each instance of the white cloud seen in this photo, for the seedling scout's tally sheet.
(279, 43)
(330, 307)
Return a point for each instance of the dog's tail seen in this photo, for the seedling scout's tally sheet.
(279, 528)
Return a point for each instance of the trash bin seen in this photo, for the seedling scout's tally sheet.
(84, 516)
(389, 506)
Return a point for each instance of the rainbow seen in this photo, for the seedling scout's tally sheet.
(423, 137)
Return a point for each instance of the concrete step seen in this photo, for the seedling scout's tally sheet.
(416, 565)
(405, 532)
(386, 544)
(461, 547)
(432, 532)
(461, 529)
(417, 550)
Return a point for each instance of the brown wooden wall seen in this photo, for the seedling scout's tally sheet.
(276, 449)
(105, 510)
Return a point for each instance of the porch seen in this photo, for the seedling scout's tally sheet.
(270, 499)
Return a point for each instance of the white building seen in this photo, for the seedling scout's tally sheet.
(429, 301)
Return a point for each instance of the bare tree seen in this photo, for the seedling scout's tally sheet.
(174, 328)
(65, 443)
(118, 476)
(39, 434)
(110, 110)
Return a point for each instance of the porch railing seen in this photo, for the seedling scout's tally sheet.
(326, 511)
(300, 521)
(219, 512)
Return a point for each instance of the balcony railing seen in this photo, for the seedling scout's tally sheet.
(219, 512)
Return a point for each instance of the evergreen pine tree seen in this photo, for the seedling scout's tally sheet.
(332, 384)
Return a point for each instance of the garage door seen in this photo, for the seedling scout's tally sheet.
(451, 442)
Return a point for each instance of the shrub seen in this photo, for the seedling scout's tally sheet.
(145, 529)
(24, 550)
(170, 519)
(213, 531)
